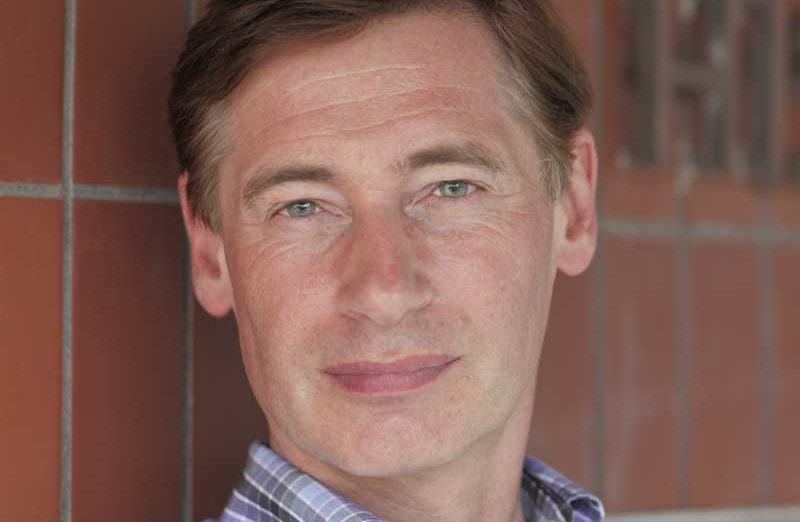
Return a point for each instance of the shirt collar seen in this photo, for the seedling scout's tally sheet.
(549, 495)
(274, 490)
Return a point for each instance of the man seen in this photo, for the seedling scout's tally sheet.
(382, 192)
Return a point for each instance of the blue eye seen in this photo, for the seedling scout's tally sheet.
(454, 189)
(300, 209)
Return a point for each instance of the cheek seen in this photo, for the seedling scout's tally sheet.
(500, 270)
(279, 292)
(504, 255)
(278, 306)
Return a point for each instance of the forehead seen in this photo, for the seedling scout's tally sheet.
(418, 38)
(449, 57)
(402, 83)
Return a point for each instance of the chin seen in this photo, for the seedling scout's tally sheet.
(374, 463)
(396, 451)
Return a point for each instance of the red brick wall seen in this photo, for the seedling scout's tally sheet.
(671, 375)
(687, 341)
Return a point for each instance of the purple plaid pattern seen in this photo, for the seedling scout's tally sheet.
(272, 490)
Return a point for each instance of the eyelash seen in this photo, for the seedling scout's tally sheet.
(471, 188)
(284, 210)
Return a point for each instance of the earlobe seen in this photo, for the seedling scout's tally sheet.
(576, 216)
(210, 277)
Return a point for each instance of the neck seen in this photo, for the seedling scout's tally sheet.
(476, 488)
(482, 484)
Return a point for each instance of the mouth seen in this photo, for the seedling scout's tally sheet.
(398, 376)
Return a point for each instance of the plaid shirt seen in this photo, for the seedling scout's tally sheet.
(272, 490)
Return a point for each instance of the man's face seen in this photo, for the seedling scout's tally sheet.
(390, 246)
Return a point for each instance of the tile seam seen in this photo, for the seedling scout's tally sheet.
(639, 229)
(630, 228)
(88, 192)
(683, 361)
(187, 490)
(766, 278)
(789, 513)
(598, 370)
(707, 231)
(597, 344)
(65, 504)
(31, 190)
(191, 13)
(757, 234)
(125, 194)
(187, 493)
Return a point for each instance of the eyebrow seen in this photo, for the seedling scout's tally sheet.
(269, 178)
(469, 153)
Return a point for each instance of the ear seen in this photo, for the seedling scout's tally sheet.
(210, 277)
(576, 216)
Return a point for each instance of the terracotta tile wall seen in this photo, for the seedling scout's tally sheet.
(30, 357)
(670, 378)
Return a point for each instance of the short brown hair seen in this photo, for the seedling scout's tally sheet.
(548, 81)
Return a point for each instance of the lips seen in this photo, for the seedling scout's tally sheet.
(397, 376)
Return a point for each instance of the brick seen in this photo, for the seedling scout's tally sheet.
(128, 362)
(724, 407)
(784, 203)
(32, 53)
(724, 200)
(640, 453)
(637, 195)
(627, 191)
(30, 357)
(562, 425)
(785, 383)
(201, 8)
(226, 416)
(576, 15)
(125, 53)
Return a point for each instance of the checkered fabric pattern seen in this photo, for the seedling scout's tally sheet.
(272, 490)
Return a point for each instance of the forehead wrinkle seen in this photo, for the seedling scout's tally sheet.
(446, 104)
(266, 76)
(338, 133)
(388, 95)
(273, 77)
(350, 74)
(333, 133)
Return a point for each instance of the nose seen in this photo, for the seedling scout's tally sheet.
(382, 274)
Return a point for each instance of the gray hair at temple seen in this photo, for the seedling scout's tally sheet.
(548, 85)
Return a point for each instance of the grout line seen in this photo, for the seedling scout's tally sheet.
(67, 193)
(766, 276)
(30, 190)
(642, 229)
(683, 302)
(187, 492)
(744, 514)
(701, 232)
(87, 192)
(731, 234)
(597, 344)
(626, 228)
(187, 486)
(125, 195)
(190, 8)
(596, 71)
